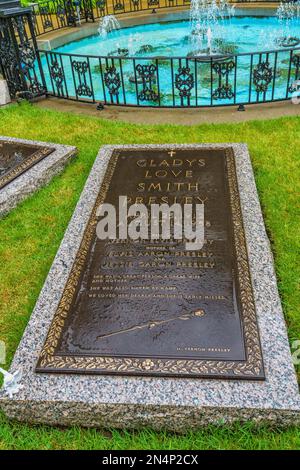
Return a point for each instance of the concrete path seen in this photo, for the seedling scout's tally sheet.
(183, 116)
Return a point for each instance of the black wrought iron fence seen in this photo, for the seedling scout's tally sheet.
(235, 79)
(52, 15)
(174, 81)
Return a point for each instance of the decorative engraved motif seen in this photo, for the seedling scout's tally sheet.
(153, 3)
(184, 82)
(82, 69)
(146, 73)
(224, 90)
(262, 76)
(249, 317)
(154, 323)
(252, 367)
(112, 81)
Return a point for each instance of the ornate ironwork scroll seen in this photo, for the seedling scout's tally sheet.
(262, 76)
(146, 75)
(222, 70)
(184, 82)
(57, 74)
(19, 58)
(82, 83)
(112, 81)
(45, 16)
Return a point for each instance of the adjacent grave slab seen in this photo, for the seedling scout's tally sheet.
(27, 165)
(4, 93)
(65, 382)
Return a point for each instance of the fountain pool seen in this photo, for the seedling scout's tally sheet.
(218, 60)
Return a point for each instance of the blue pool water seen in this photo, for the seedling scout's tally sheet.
(167, 48)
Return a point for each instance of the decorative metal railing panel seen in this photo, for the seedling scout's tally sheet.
(56, 14)
(173, 82)
(19, 60)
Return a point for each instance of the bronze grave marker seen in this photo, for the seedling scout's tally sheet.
(150, 307)
(17, 157)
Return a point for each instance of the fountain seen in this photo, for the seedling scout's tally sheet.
(207, 29)
(132, 46)
(209, 39)
(107, 24)
(134, 43)
(288, 14)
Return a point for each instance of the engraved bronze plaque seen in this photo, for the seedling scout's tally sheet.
(150, 307)
(17, 157)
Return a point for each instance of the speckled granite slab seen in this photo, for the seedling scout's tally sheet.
(172, 403)
(36, 176)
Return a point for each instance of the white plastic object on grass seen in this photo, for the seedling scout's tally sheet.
(11, 384)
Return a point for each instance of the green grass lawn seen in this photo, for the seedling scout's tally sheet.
(31, 234)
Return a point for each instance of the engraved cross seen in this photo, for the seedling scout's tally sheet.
(171, 153)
